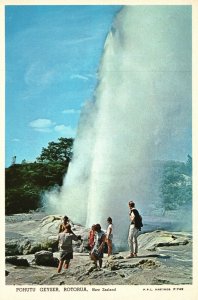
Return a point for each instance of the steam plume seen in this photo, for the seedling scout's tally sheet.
(141, 112)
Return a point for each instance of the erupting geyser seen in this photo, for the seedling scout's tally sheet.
(141, 112)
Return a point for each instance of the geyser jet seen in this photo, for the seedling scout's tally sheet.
(141, 112)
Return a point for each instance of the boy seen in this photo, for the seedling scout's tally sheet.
(65, 239)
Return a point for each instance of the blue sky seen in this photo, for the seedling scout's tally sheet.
(52, 58)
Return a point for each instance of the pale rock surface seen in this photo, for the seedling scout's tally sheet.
(164, 257)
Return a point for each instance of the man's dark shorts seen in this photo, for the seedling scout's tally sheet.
(66, 255)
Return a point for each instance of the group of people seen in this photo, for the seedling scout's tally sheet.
(97, 239)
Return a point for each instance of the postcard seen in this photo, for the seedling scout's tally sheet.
(99, 149)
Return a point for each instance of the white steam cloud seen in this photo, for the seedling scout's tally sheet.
(141, 112)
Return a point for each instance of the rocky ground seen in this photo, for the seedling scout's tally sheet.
(31, 257)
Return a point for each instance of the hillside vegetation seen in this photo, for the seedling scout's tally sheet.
(26, 182)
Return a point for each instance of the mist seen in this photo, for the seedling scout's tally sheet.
(140, 112)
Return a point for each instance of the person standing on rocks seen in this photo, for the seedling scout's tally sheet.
(91, 237)
(109, 235)
(98, 249)
(63, 224)
(134, 229)
(65, 239)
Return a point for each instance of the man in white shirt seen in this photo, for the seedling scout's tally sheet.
(133, 232)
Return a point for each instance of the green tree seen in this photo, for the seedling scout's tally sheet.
(26, 183)
(60, 151)
(176, 184)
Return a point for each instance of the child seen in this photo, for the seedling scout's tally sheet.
(109, 235)
(65, 239)
(97, 251)
(91, 237)
(63, 224)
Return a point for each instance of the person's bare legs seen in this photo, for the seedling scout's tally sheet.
(109, 245)
(60, 266)
(66, 264)
(100, 262)
(94, 259)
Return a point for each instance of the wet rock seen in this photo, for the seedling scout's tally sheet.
(12, 248)
(112, 265)
(113, 257)
(91, 268)
(152, 240)
(35, 247)
(45, 258)
(28, 236)
(161, 281)
(148, 264)
(163, 258)
(15, 260)
(49, 220)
